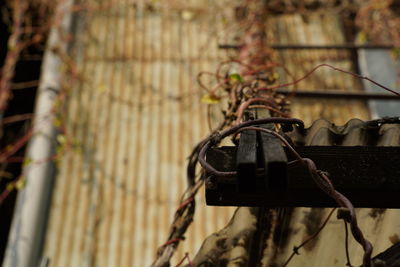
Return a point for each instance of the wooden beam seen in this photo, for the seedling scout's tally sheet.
(274, 161)
(368, 176)
(246, 161)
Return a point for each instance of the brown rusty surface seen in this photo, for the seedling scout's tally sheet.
(133, 118)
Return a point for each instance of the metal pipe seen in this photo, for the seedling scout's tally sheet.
(362, 95)
(28, 227)
(308, 46)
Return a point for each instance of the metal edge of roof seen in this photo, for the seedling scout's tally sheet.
(354, 133)
(28, 226)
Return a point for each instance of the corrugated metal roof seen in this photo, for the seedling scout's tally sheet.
(354, 133)
(133, 117)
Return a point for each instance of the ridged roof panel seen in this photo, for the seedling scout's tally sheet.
(354, 133)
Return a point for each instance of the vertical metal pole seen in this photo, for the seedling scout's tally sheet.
(28, 227)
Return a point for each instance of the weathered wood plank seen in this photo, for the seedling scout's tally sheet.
(368, 176)
(246, 161)
(274, 161)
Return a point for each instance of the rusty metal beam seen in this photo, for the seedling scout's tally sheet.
(309, 46)
(338, 94)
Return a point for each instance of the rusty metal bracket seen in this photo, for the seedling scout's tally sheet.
(361, 95)
(308, 46)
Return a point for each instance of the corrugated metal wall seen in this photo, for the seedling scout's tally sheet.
(133, 117)
(135, 113)
(317, 29)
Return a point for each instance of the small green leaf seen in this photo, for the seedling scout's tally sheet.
(210, 99)
(273, 78)
(362, 37)
(20, 183)
(57, 122)
(236, 77)
(187, 15)
(27, 161)
(61, 139)
(10, 186)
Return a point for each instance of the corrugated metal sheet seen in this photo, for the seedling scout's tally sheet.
(133, 117)
(354, 133)
(135, 114)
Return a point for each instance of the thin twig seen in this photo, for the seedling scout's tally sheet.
(334, 68)
(184, 258)
(13, 52)
(346, 244)
(296, 248)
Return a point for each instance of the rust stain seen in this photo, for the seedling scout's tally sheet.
(312, 220)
